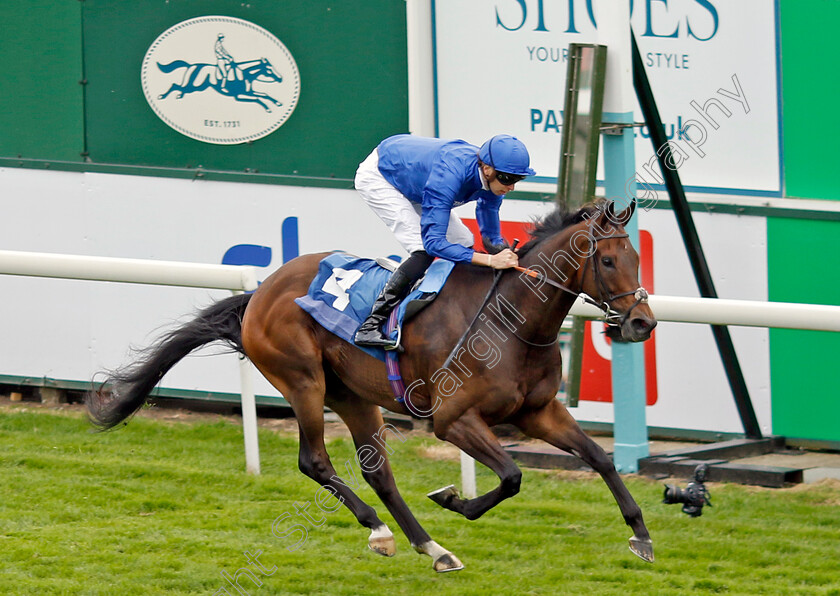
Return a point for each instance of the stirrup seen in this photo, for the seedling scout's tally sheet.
(386, 344)
(381, 341)
(372, 338)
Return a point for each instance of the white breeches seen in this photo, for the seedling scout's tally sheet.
(401, 215)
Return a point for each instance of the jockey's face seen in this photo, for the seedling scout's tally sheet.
(496, 187)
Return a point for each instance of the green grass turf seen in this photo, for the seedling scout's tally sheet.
(163, 507)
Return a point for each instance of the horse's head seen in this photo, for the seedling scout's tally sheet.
(610, 274)
(265, 72)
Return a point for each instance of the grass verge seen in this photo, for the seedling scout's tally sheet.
(165, 507)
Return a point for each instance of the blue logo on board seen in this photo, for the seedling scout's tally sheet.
(228, 77)
(220, 80)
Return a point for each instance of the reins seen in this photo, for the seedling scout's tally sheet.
(611, 316)
(496, 277)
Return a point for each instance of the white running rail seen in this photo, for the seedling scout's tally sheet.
(165, 273)
(714, 311)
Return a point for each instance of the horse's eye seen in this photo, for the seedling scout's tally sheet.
(607, 261)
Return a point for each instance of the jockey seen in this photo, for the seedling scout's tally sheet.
(413, 183)
(224, 61)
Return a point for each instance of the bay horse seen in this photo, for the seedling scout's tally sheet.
(198, 77)
(587, 251)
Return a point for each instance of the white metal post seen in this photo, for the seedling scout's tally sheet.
(468, 488)
(249, 417)
(421, 83)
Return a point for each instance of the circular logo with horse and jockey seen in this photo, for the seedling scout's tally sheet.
(220, 80)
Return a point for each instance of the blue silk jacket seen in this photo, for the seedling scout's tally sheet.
(440, 174)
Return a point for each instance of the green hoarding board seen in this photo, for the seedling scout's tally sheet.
(351, 59)
(41, 47)
(811, 87)
(803, 260)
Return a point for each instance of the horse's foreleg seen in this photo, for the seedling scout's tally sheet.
(556, 426)
(249, 99)
(369, 435)
(472, 435)
(262, 95)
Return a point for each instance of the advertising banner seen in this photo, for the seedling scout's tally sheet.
(713, 65)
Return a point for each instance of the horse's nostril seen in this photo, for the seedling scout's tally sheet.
(643, 325)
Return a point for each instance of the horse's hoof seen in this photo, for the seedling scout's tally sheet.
(444, 496)
(642, 548)
(385, 546)
(448, 562)
(381, 541)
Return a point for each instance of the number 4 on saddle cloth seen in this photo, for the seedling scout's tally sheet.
(342, 294)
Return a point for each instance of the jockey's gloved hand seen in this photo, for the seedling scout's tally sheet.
(494, 248)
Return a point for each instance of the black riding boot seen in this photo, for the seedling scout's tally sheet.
(370, 333)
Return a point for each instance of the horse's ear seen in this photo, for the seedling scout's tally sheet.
(610, 212)
(628, 213)
(622, 218)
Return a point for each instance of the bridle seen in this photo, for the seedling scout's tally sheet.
(605, 296)
(611, 316)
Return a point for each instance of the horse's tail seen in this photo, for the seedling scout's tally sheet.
(129, 387)
(173, 65)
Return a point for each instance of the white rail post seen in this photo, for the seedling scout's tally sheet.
(249, 418)
(249, 415)
(468, 488)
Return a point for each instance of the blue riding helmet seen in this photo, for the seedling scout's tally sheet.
(506, 154)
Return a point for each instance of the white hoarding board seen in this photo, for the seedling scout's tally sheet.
(68, 330)
(713, 64)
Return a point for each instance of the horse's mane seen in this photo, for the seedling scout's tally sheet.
(556, 221)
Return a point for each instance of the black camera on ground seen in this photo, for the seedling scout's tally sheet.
(693, 496)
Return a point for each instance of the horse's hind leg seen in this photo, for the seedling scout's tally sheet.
(305, 393)
(174, 87)
(556, 426)
(369, 429)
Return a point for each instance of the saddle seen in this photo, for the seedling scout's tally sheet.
(341, 295)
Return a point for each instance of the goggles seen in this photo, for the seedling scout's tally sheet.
(508, 179)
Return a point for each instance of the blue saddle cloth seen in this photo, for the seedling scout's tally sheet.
(342, 293)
